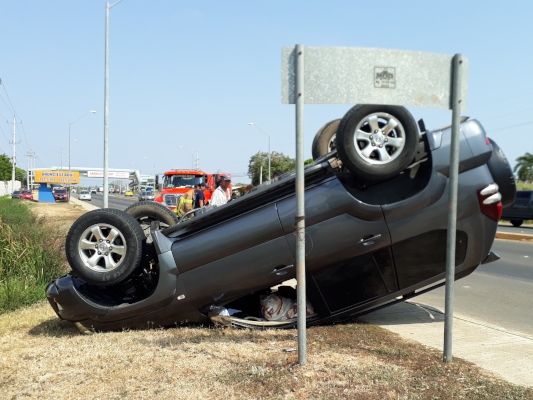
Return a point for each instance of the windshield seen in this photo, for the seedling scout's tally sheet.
(176, 181)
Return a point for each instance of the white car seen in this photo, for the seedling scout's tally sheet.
(84, 195)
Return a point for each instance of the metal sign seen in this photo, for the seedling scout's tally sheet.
(351, 75)
(66, 177)
(110, 174)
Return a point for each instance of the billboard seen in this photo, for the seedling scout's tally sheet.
(110, 174)
(65, 177)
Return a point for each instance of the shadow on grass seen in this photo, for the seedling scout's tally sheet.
(54, 328)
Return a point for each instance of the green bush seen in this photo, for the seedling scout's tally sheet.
(27, 261)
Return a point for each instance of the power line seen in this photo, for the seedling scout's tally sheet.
(510, 126)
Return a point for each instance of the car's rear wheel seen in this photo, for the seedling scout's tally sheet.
(105, 247)
(152, 216)
(516, 222)
(325, 139)
(502, 173)
(377, 142)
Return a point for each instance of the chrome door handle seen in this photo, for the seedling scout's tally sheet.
(368, 241)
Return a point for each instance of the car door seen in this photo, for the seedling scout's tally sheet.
(348, 259)
(234, 258)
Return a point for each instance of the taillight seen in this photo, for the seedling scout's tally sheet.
(490, 202)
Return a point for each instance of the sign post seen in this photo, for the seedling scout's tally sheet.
(349, 75)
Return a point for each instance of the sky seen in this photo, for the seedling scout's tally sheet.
(187, 77)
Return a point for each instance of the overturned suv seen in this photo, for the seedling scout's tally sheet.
(376, 214)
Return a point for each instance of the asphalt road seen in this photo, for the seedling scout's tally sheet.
(118, 201)
(498, 293)
(508, 228)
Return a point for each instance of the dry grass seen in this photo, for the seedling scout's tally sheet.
(43, 357)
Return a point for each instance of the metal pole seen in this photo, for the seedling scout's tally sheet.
(452, 218)
(106, 106)
(300, 207)
(14, 160)
(269, 172)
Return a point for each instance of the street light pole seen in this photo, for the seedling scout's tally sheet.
(106, 106)
(69, 135)
(267, 135)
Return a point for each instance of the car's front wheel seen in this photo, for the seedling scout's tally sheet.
(106, 246)
(377, 142)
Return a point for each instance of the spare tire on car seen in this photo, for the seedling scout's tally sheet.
(377, 142)
(152, 216)
(104, 247)
(502, 173)
(324, 141)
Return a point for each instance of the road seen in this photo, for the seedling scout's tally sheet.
(118, 201)
(508, 228)
(499, 293)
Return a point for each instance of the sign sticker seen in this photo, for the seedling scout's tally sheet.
(385, 77)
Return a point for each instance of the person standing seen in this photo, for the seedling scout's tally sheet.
(199, 195)
(220, 195)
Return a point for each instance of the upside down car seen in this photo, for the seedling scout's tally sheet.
(376, 212)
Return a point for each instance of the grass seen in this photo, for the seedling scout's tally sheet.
(345, 361)
(45, 357)
(29, 256)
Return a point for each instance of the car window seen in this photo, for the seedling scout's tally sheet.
(61, 191)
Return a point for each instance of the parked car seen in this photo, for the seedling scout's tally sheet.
(61, 195)
(15, 194)
(522, 208)
(85, 195)
(26, 194)
(146, 196)
(376, 216)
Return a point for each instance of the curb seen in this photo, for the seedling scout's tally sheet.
(84, 204)
(514, 236)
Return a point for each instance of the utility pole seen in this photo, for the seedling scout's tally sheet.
(14, 159)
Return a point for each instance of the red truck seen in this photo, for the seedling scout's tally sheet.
(177, 182)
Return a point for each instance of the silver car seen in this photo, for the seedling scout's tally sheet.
(145, 195)
(84, 195)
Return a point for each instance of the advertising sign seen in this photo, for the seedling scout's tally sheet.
(66, 177)
(110, 174)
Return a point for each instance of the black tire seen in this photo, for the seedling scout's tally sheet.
(150, 214)
(377, 142)
(503, 175)
(325, 138)
(105, 247)
(516, 222)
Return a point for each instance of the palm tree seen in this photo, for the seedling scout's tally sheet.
(524, 166)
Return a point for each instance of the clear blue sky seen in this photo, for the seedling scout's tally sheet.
(195, 73)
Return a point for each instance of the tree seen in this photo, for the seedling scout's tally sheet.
(524, 166)
(278, 161)
(6, 170)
